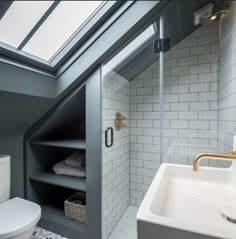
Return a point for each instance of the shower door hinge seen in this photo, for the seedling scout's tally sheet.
(161, 45)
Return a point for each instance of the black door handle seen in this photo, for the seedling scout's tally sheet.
(106, 137)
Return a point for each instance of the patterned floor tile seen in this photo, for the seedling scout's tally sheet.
(41, 233)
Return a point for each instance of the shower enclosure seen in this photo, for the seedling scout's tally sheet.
(159, 105)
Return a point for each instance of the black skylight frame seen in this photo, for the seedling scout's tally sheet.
(79, 38)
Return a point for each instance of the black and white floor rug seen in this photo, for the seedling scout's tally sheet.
(40, 233)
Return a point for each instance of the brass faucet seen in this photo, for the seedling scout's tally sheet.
(226, 157)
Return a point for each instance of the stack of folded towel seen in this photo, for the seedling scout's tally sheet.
(74, 165)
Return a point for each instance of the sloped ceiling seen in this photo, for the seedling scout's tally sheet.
(178, 23)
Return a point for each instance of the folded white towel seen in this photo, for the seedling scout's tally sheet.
(76, 159)
(64, 169)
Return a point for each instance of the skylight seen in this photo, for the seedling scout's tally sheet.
(67, 17)
(42, 28)
(19, 20)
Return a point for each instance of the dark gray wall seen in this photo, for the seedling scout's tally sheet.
(18, 113)
(23, 80)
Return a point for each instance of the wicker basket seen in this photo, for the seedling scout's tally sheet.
(75, 207)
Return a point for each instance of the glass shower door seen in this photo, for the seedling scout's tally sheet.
(190, 92)
(131, 128)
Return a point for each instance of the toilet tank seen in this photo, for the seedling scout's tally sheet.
(5, 175)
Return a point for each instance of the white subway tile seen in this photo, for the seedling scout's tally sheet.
(136, 163)
(187, 132)
(168, 98)
(151, 164)
(151, 148)
(200, 50)
(188, 115)
(179, 71)
(201, 68)
(170, 115)
(196, 106)
(208, 115)
(136, 131)
(172, 80)
(208, 58)
(151, 132)
(136, 115)
(208, 96)
(144, 107)
(144, 123)
(187, 61)
(208, 77)
(133, 91)
(136, 83)
(179, 53)
(136, 147)
(179, 124)
(144, 91)
(179, 88)
(151, 115)
(151, 82)
(188, 79)
(200, 124)
(200, 87)
(179, 106)
(144, 156)
(170, 132)
(136, 99)
(151, 99)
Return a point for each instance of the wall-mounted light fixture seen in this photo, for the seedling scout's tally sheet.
(206, 17)
(120, 121)
(217, 15)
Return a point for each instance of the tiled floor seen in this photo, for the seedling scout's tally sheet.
(40, 233)
(126, 228)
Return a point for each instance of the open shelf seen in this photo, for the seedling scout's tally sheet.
(75, 183)
(56, 214)
(73, 143)
(67, 128)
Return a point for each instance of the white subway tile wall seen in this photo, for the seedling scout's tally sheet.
(115, 160)
(227, 80)
(190, 109)
(191, 116)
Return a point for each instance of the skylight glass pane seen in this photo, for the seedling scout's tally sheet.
(19, 20)
(67, 17)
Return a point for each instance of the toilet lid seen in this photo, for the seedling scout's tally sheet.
(17, 216)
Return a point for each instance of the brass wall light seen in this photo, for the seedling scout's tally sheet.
(120, 121)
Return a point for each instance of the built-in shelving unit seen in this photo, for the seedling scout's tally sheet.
(73, 144)
(56, 214)
(67, 128)
(78, 184)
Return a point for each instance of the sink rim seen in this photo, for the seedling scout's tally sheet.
(145, 213)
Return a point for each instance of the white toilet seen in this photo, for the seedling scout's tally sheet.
(18, 217)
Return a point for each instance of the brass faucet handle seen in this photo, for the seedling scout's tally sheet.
(217, 156)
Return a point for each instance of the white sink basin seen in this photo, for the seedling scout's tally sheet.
(182, 204)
